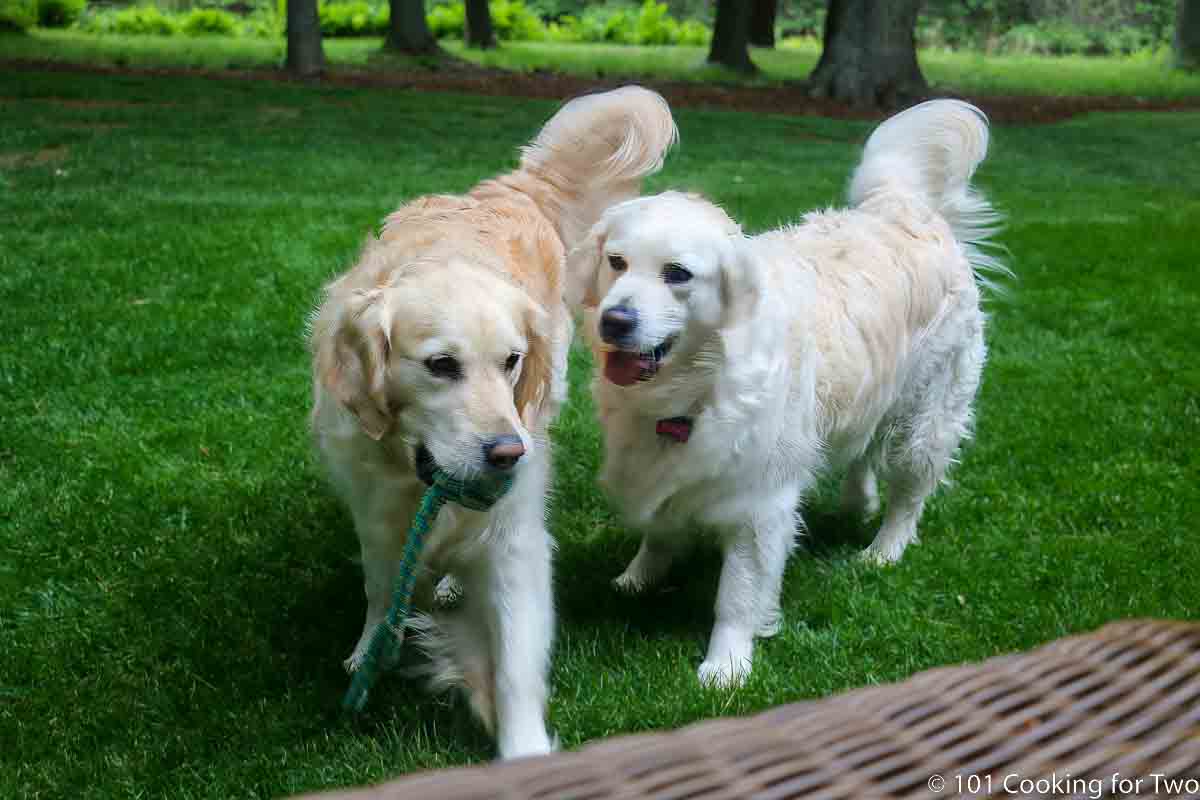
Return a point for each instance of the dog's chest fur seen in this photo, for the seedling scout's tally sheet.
(738, 436)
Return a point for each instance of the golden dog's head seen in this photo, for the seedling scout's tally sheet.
(436, 350)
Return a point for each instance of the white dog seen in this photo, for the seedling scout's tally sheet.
(446, 346)
(735, 369)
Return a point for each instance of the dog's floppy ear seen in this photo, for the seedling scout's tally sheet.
(537, 371)
(741, 281)
(583, 268)
(351, 359)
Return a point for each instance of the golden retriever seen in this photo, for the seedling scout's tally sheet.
(734, 369)
(446, 345)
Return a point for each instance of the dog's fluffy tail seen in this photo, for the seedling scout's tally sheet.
(595, 151)
(931, 151)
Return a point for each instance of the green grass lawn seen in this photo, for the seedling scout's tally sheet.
(178, 585)
(968, 73)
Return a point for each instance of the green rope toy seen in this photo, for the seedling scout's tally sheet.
(478, 495)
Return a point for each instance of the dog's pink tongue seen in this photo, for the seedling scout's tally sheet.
(624, 368)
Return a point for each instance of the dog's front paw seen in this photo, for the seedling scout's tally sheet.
(530, 743)
(359, 654)
(448, 592)
(354, 661)
(387, 658)
(630, 583)
(880, 556)
(770, 624)
(725, 674)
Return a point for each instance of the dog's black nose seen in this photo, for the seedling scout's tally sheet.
(503, 452)
(617, 324)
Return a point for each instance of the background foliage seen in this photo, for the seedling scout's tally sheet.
(1049, 27)
(17, 14)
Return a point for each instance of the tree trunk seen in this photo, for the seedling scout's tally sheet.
(305, 56)
(762, 22)
(478, 31)
(730, 41)
(1187, 35)
(870, 54)
(408, 32)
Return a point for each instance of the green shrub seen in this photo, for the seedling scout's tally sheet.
(354, 18)
(209, 21)
(655, 25)
(18, 15)
(447, 21)
(142, 20)
(1056, 38)
(618, 27)
(600, 24)
(516, 20)
(564, 29)
(264, 24)
(1021, 39)
(379, 19)
(59, 13)
(695, 33)
(648, 24)
(803, 20)
(512, 20)
(1127, 40)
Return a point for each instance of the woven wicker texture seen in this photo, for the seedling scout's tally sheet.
(1061, 720)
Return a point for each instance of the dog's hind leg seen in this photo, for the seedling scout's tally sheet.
(906, 500)
(650, 565)
(921, 449)
(860, 489)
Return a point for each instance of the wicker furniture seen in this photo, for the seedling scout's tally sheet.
(1062, 720)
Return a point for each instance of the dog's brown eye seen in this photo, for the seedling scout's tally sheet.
(511, 363)
(676, 273)
(617, 263)
(444, 367)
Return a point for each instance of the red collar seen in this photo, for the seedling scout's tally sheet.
(678, 428)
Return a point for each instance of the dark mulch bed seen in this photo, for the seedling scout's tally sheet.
(780, 99)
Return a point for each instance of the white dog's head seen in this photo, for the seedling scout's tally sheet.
(663, 273)
(445, 359)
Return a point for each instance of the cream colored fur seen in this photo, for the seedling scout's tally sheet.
(851, 341)
(476, 278)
